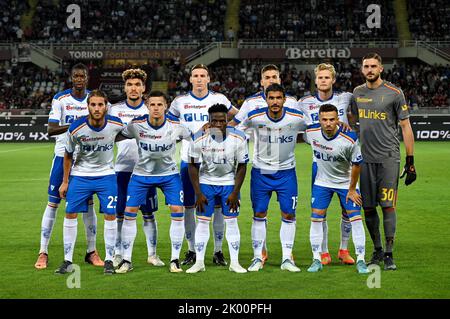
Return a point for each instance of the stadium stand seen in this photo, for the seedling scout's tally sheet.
(291, 20)
(429, 20)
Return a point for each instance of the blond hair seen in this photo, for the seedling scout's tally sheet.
(325, 66)
(134, 74)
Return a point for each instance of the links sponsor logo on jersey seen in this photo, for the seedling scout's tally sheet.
(374, 115)
(155, 147)
(71, 118)
(191, 117)
(150, 136)
(324, 147)
(280, 139)
(70, 107)
(97, 148)
(327, 157)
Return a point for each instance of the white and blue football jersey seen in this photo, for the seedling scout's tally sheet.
(95, 156)
(156, 145)
(127, 150)
(65, 110)
(219, 156)
(334, 156)
(193, 113)
(275, 140)
(257, 101)
(310, 106)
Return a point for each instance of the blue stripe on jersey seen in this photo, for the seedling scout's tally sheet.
(234, 130)
(59, 94)
(113, 118)
(140, 118)
(78, 122)
(258, 94)
(53, 121)
(171, 114)
(258, 111)
(293, 111)
(350, 134)
(317, 125)
(172, 118)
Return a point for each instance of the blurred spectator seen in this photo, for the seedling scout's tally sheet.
(429, 20)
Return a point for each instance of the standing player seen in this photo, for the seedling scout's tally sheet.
(127, 156)
(338, 158)
(67, 106)
(309, 105)
(380, 107)
(156, 134)
(92, 173)
(276, 129)
(270, 74)
(222, 154)
(192, 110)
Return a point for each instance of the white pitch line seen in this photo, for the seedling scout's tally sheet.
(23, 149)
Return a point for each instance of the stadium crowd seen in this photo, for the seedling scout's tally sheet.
(312, 20)
(429, 20)
(423, 85)
(117, 21)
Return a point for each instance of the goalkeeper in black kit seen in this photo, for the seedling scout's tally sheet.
(380, 107)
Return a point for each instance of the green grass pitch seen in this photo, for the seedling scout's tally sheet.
(421, 248)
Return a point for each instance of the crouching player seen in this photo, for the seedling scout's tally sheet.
(222, 154)
(338, 158)
(156, 134)
(92, 173)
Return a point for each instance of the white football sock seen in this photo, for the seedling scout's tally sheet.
(346, 230)
(90, 225)
(118, 246)
(176, 237)
(287, 237)
(69, 237)
(151, 234)
(129, 231)
(48, 221)
(109, 234)
(316, 238)
(258, 236)
(218, 227)
(233, 238)
(325, 236)
(189, 226)
(359, 239)
(201, 239)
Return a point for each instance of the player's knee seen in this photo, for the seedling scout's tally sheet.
(260, 215)
(176, 209)
(131, 209)
(71, 215)
(388, 210)
(110, 217)
(288, 217)
(369, 211)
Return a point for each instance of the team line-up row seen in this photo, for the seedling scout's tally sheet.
(214, 156)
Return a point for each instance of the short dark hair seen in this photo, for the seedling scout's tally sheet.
(98, 93)
(328, 108)
(79, 66)
(156, 94)
(275, 87)
(200, 66)
(218, 108)
(372, 55)
(269, 67)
